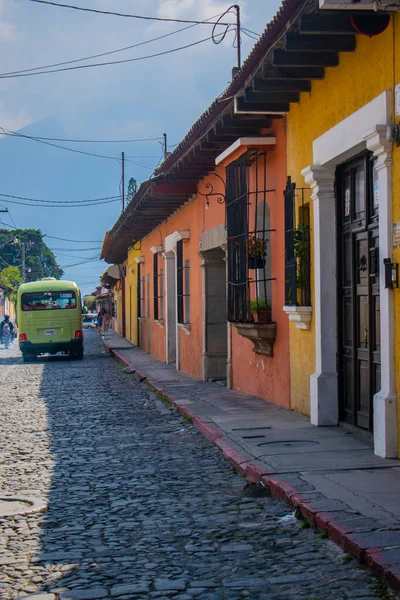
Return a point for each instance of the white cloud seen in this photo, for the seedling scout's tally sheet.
(13, 121)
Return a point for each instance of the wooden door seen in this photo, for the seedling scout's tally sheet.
(358, 291)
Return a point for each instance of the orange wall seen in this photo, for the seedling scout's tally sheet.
(251, 373)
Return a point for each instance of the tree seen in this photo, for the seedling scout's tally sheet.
(90, 303)
(39, 259)
(132, 189)
(11, 277)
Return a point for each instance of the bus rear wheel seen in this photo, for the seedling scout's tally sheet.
(76, 355)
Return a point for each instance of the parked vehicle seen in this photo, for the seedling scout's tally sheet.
(50, 318)
(89, 322)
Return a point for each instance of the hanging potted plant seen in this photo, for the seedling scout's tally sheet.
(257, 251)
(261, 310)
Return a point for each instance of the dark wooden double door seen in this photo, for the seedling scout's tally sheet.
(358, 291)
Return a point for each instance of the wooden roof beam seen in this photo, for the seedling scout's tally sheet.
(305, 59)
(292, 72)
(333, 23)
(314, 43)
(281, 85)
(251, 95)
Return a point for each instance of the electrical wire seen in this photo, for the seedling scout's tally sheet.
(29, 137)
(52, 237)
(117, 62)
(80, 141)
(63, 205)
(75, 249)
(58, 201)
(68, 62)
(129, 16)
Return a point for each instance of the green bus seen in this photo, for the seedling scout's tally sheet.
(50, 318)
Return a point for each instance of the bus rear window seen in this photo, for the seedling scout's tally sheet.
(48, 300)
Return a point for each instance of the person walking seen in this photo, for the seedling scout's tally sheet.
(99, 321)
(106, 321)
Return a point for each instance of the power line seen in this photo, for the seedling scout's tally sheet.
(68, 62)
(62, 205)
(52, 237)
(58, 201)
(115, 62)
(129, 16)
(29, 137)
(79, 141)
(75, 249)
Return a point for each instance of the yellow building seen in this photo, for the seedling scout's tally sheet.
(345, 346)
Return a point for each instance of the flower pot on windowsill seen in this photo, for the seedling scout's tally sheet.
(262, 316)
(256, 262)
(261, 310)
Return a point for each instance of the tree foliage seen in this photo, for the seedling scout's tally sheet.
(11, 277)
(132, 189)
(39, 259)
(90, 303)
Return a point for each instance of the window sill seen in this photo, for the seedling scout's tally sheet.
(186, 327)
(160, 322)
(263, 336)
(300, 315)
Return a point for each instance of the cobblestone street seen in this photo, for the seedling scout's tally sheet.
(139, 504)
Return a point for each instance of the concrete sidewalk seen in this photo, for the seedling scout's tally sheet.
(329, 473)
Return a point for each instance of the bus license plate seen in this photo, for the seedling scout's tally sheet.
(50, 331)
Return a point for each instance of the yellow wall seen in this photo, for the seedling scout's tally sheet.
(361, 76)
(131, 295)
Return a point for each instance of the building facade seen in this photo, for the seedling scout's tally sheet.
(267, 243)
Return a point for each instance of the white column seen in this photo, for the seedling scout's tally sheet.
(324, 408)
(170, 300)
(385, 402)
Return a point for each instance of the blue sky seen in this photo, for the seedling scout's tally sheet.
(135, 100)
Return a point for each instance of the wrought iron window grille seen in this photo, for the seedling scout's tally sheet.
(158, 289)
(183, 285)
(248, 239)
(297, 246)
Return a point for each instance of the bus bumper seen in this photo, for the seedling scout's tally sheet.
(74, 346)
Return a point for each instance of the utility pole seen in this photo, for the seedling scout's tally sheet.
(165, 146)
(123, 181)
(239, 60)
(23, 265)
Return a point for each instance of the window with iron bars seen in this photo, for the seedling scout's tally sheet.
(183, 285)
(297, 246)
(141, 291)
(248, 236)
(158, 284)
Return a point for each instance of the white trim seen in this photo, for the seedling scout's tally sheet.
(245, 141)
(345, 139)
(172, 239)
(156, 249)
(367, 128)
(301, 315)
(139, 260)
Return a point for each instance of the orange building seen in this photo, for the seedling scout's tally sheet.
(211, 267)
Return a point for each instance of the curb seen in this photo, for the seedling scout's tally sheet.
(254, 472)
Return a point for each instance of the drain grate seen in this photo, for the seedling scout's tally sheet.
(290, 443)
(20, 505)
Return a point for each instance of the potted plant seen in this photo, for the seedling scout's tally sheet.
(261, 310)
(257, 250)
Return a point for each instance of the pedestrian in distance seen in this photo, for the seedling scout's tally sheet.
(99, 322)
(106, 321)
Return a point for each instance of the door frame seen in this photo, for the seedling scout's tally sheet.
(368, 230)
(366, 129)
